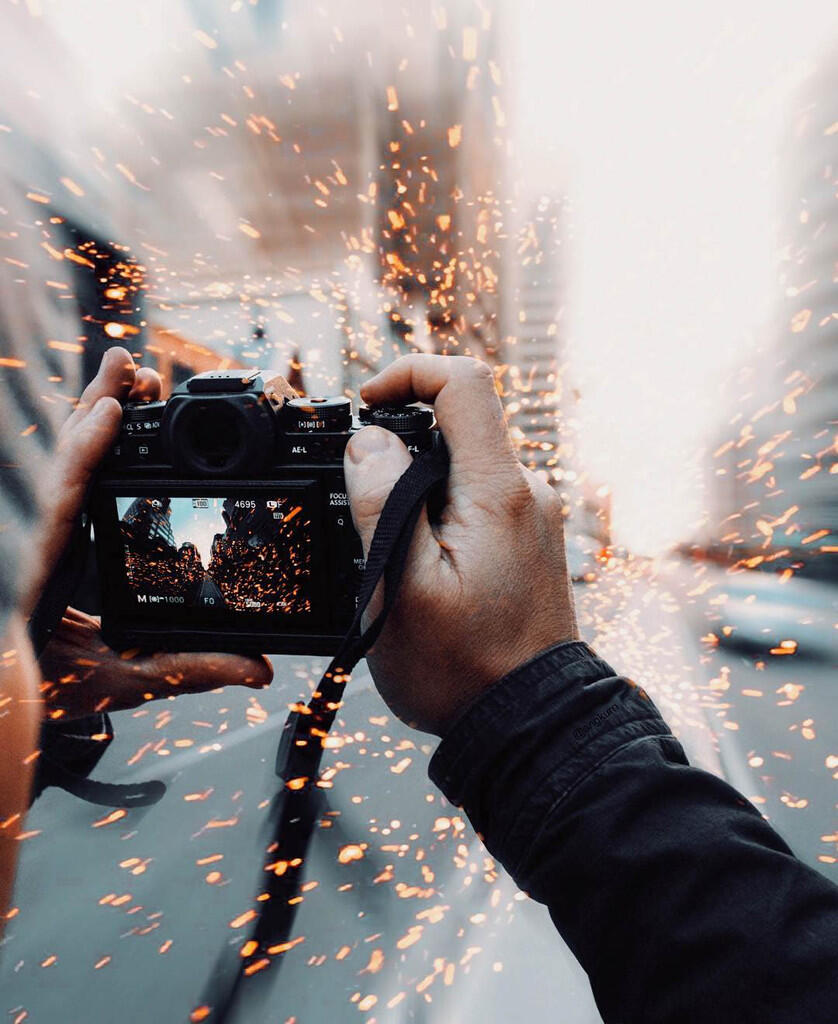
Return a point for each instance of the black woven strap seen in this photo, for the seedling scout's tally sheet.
(301, 744)
(297, 808)
(104, 794)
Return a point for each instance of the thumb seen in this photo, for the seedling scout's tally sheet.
(375, 459)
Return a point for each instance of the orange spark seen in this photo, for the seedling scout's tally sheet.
(204, 39)
(350, 852)
(71, 186)
(242, 919)
(110, 818)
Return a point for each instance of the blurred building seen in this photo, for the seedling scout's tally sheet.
(313, 186)
(150, 520)
(538, 393)
(772, 485)
(534, 382)
(60, 237)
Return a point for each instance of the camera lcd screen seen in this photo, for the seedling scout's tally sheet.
(245, 555)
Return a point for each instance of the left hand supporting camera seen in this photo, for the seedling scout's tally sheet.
(81, 673)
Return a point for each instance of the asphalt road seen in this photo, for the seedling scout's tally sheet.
(774, 716)
(210, 593)
(405, 917)
(137, 909)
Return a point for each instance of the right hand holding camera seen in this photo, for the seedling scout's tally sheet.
(485, 588)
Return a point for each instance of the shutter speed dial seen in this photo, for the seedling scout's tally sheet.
(317, 415)
(400, 419)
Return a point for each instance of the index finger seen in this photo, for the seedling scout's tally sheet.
(115, 378)
(465, 400)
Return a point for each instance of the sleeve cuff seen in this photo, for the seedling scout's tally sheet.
(534, 736)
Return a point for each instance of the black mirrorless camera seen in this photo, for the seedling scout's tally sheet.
(221, 518)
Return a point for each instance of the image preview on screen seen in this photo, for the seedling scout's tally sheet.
(234, 553)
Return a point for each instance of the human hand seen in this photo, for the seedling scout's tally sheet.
(487, 587)
(82, 675)
(95, 677)
(83, 441)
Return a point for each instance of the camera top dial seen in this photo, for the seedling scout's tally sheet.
(401, 419)
(317, 414)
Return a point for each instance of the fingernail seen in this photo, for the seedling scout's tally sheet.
(368, 441)
(107, 355)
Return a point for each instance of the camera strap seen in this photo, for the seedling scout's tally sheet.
(301, 746)
(297, 807)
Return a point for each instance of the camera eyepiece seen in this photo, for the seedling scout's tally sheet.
(210, 438)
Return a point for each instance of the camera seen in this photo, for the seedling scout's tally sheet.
(221, 519)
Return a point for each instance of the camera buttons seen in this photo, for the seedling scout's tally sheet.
(316, 415)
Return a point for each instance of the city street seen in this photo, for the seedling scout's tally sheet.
(628, 216)
(209, 594)
(404, 916)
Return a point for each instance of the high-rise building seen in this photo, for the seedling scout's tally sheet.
(534, 381)
(805, 465)
(538, 392)
(772, 485)
(149, 520)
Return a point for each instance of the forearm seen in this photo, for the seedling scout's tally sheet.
(19, 722)
(678, 899)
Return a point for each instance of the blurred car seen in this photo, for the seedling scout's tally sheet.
(767, 615)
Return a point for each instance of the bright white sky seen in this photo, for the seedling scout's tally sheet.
(661, 121)
(197, 526)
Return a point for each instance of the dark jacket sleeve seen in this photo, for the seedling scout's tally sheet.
(70, 750)
(679, 900)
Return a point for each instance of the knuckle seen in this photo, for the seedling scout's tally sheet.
(516, 497)
(477, 369)
(549, 501)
